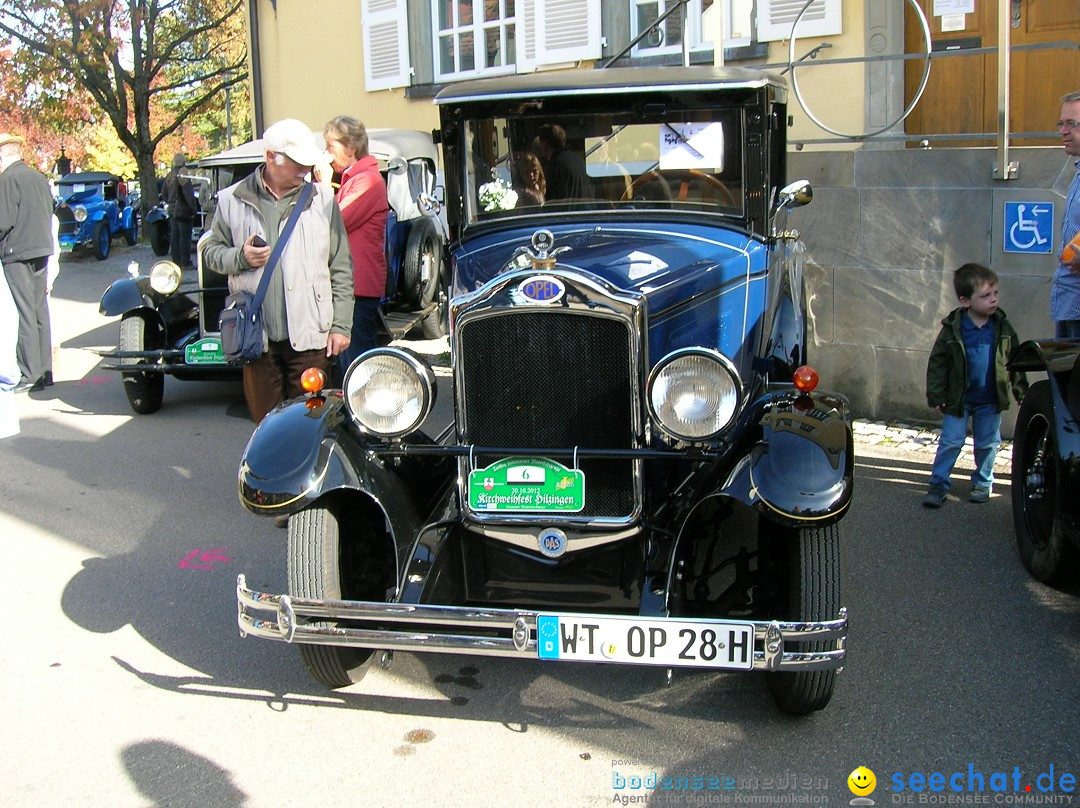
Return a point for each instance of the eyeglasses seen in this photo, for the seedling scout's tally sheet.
(1068, 125)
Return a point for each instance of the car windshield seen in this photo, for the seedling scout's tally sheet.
(87, 188)
(688, 160)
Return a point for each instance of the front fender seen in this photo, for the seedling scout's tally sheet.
(157, 215)
(303, 450)
(1059, 359)
(803, 467)
(125, 218)
(127, 294)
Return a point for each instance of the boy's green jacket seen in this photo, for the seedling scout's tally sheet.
(946, 372)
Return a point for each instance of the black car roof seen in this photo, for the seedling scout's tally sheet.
(88, 176)
(612, 81)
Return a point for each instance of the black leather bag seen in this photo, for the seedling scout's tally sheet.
(240, 322)
(241, 329)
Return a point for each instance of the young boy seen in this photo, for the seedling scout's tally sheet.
(966, 377)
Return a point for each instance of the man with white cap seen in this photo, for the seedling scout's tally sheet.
(26, 207)
(307, 312)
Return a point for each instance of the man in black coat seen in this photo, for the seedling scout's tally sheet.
(26, 242)
(180, 194)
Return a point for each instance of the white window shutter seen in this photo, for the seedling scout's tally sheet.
(526, 35)
(386, 44)
(775, 19)
(566, 31)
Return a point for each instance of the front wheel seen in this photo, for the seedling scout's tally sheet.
(131, 234)
(159, 237)
(145, 390)
(325, 565)
(102, 240)
(810, 559)
(1045, 549)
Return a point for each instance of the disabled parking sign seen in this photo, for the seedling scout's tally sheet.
(1029, 227)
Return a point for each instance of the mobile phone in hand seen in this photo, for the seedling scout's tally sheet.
(258, 241)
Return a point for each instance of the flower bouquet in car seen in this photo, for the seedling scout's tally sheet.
(497, 195)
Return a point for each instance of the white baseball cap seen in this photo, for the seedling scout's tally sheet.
(295, 140)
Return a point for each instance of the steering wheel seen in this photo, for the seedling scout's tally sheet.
(683, 178)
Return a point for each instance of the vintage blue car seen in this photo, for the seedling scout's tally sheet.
(640, 468)
(93, 208)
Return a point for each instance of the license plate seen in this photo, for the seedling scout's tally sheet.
(672, 643)
(204, 352)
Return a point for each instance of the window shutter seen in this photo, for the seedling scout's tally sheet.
(775, 19)
(565, 31)
(386, 44)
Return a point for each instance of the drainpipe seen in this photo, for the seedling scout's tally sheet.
(1004, 170)
(256, 66)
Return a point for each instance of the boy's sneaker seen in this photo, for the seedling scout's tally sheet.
(979, 495)
(934, 498)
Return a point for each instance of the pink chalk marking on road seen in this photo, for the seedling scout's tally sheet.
(94, 380)
(209, 557)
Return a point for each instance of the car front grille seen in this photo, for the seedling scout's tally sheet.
(553, 380)
(66, 218)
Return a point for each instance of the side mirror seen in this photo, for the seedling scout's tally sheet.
(794, 195)
(396, 165)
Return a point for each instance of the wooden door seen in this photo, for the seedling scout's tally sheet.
(961, 95)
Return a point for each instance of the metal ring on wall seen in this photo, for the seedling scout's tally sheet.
(907, 110)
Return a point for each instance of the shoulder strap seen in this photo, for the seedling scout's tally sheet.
(279, 245)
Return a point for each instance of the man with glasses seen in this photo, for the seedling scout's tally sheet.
(1065, 293)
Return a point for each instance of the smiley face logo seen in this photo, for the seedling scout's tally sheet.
(861, 781)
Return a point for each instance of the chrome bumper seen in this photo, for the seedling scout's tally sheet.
(505, 632)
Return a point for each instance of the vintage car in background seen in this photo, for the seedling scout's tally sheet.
(157, 220)
(92, 209)
(417, 277)
(1046, 462)
(169, 317)
(640, 469)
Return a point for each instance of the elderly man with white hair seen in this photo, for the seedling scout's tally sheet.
(26, 242)
(308, 308)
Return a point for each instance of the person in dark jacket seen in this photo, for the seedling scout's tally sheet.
(26, 242)
(966, 378)
(178, 191)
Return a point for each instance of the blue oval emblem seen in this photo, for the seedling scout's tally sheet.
(552, 542)
(542, 289)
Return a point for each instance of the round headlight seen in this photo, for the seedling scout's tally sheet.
(79, 212)
(694, 393)
(165, 277)
(389, 392)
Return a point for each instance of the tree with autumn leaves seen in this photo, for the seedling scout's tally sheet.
(101, 77)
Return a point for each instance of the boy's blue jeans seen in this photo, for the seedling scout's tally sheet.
(986, 432)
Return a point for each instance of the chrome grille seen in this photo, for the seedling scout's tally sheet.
(553, 379)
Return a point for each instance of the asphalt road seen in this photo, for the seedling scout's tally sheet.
(125, 682)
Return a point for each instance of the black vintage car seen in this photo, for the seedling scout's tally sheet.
(640, 467)
(1046, 462)
(169, 317)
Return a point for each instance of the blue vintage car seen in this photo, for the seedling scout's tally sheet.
(93, 208)
(640, 469)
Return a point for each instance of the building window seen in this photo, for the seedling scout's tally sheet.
(667, 37)
(474, 38)
(742, 26)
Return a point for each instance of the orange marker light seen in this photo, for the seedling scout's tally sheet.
(806, 378)
(312, 380)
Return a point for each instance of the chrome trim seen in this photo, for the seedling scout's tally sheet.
(525, 537)
(595, 298)
(291, 615)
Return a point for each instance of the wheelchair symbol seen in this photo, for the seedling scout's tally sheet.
(1029, 227)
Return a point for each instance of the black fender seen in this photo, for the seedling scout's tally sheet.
(802, 469)
(155, 215)
(305, 449)
(177, 314)
(1059, 358)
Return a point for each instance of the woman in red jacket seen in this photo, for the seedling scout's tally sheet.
(362, 199)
